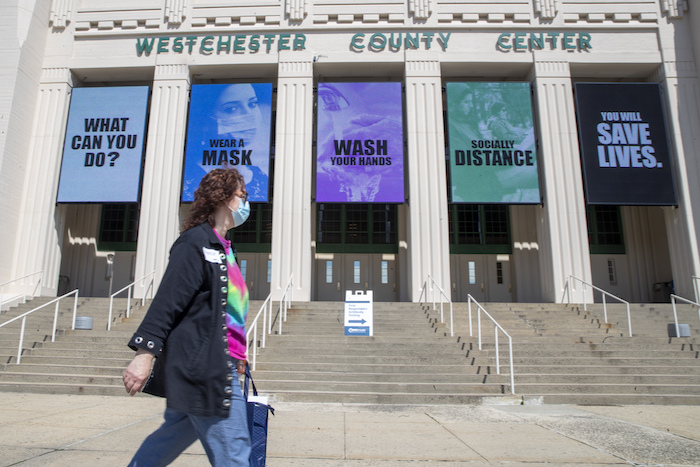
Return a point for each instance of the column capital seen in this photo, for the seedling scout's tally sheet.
(674, 69)
(422, 65)
(56, 75)
(295, 66)
(550, 69)
(171, 72)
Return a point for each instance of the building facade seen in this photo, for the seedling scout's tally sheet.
(495, 250)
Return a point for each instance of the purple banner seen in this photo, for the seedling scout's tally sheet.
(360, 151)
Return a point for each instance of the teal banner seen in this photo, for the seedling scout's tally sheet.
(492, 143)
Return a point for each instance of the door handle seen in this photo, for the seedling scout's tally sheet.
(482, 286)
(252, 285)
(454, 286)
(394, 287)
(366, 285)
(338, 286)
(510, 288)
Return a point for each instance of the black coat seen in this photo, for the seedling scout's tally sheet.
(185, 328)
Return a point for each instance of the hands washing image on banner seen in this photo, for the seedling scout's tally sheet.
(360, 149)
(492, 143)
(229, 124)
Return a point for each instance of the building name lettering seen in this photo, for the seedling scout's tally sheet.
(378, 42)
(526, 41)
(360, 42)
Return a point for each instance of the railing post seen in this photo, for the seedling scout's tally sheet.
(605, 309)
(629, 319)
(452, 329)
(498, 363)
(55, 322)
(21, 341)
(478, 324)
(469, 305)
(675, 316)
(109, 318)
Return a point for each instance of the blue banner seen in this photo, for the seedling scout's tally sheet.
(229, 124)
(103, 148)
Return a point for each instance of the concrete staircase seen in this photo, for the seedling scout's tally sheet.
(79, 361)
(408, 360)
(562, 354)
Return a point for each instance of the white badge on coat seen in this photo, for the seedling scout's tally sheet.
(211, 255)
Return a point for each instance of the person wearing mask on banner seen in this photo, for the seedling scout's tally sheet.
(195, 331)
(229, 124)
(238, 117)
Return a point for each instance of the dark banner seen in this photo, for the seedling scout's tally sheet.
(624, 148)
(360, 135)
(492, 143)
(229, 124)
(103, 149)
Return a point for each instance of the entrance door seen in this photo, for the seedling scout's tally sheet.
(357, 273)
(468, 277)
(485, 277)
(329, 277)
(498, 278)
(255, 270)
(383, 278)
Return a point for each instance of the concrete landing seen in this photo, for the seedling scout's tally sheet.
(74, 430)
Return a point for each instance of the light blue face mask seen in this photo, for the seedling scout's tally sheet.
(241, 214)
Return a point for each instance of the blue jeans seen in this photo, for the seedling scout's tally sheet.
(225, 440)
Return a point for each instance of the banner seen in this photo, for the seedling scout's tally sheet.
(360, 143)
(624, 150)
(492, 143)
(103, 149)
(229, 124)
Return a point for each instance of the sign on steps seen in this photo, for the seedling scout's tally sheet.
(358, 313)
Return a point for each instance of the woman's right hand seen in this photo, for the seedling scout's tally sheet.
(137, 373)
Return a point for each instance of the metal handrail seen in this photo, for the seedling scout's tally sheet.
(604, 293)
(266, 311)
(496, 327)
(675, 314)
(128, 301)
(253, 329)
(55, 320)
(695, 280)
(24, 295)
(447, 299)
(285, 302)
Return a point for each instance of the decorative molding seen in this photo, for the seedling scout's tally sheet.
(674, 70)
(295, 68)
(547, 9)
(674, 8)
(550, 69)
(175, 11)
(171, 72)
(54, 75)
(421, 9)
(297, 9)
(60, 13)
(421, 65)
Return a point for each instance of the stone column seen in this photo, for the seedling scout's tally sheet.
(41, 224)
(159, 222)
(562, 229)
(428, 235)
(291, 211)
(680, 82)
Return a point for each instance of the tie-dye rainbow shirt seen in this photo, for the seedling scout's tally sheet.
(237, 303)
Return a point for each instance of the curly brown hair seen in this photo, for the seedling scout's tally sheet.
(216, 187)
